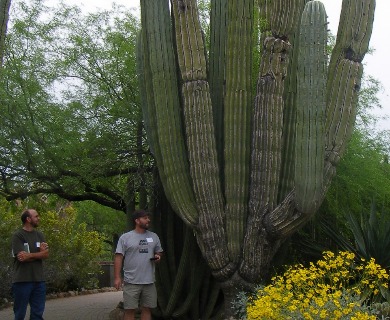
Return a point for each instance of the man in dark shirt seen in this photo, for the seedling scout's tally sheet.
(29, 249)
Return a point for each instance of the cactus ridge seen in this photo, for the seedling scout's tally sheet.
(311, 102)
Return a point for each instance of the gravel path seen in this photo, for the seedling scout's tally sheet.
(82, 307)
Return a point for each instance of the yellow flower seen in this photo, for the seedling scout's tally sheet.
(321, 291)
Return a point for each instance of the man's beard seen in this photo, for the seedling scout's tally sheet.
(144, 226)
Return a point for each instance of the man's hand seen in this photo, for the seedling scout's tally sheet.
(117, 283)
(157, 257)
(118, 260)
(23, 256)
(44, 246)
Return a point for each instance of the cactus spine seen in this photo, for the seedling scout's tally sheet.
(247, 169)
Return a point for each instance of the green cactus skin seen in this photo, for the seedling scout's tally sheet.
(311, 102)
(217, 58)
(246, 170)
(200, 136)
(344, 75)
(163, 83)
(237, 114)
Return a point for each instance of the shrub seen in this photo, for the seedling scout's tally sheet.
(8, 224)
(335, 287)
(74, 251)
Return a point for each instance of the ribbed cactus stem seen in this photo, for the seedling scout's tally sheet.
(311, 102)
(267, 126)
(217, 59)
(200, 137)
(344, 76)
(237, 102)
(182, 273)
(158, 39)
(289, 113)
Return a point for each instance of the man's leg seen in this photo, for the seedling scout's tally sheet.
(131, 295)
(129, 314)
(21, 293)
(148, 301)
(146, 314)
(37, 300)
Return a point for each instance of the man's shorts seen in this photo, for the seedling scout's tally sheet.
(139, 295)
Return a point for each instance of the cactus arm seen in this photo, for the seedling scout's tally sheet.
(344, 76)
(189, 41)
(218, 31)
(147, 101)
(237, 114)
(182, 273)
(199, 126)
(212, 299)
(284, 16)
(311, 102)
(197, 272)
(266, 152)
(343, 82)
(157, 34)
(268, 116)
(266, 148)
(166, 269)
(289, 113)
(267, 125)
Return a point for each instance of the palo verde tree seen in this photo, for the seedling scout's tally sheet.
(247, 169)
(71, 121)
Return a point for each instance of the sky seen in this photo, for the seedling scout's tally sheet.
(375, 64)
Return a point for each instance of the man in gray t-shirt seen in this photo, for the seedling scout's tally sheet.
(137, 251)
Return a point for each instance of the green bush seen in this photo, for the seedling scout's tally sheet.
(74, 251)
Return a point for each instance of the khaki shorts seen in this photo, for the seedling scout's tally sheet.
(139, 295)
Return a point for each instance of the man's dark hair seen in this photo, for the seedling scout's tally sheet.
(25, 215)
(139, 213)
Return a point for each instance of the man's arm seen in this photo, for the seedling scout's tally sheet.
(43, 253)
(118, 260)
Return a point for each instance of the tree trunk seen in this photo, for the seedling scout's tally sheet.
(4, 15)
(246, 166)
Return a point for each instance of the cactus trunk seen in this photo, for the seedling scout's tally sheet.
(247, 169)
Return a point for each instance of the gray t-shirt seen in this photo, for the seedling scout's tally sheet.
(137, 249)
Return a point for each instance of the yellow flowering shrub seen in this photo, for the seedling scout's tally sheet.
(332, 288)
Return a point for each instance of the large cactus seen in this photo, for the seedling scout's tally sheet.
(245, 170)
